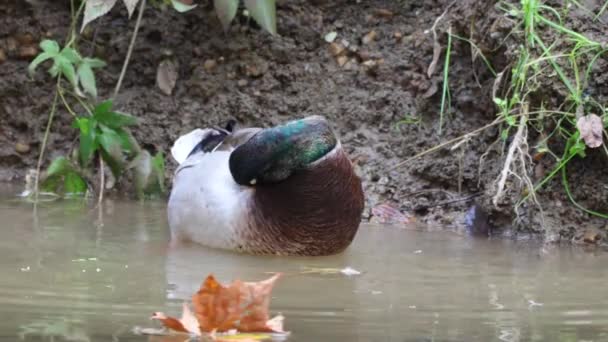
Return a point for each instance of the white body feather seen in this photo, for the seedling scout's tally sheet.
(206, 205)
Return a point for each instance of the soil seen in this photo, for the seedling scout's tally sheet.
(257, 79)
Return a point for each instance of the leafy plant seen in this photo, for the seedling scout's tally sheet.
(262, 11)
(68, 63)
(102, 131)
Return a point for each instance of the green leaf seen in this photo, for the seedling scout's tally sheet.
(158, 165)
(94, 9)
(125, 139)
(111, 144)
(94, 62)
(114, 119)
(226, 11)
(39, 59)
(71, 55)
(49, 46)
(143, 169)
(67, 69)
(88, 145)
(181, 7)
(59, 166)
(87, 79)
(73, 184)
(264, 12)
(103, 107)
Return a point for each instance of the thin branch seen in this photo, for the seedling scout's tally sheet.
(44, 141)
(142, 6)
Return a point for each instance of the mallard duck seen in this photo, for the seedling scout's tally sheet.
(285, 190)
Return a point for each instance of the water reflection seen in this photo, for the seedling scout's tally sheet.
(66, 278)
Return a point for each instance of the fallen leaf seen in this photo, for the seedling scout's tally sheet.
(187, 323)
(241, 305)
(166, 76)
(388, 214)
(238, 307)
(591, 128)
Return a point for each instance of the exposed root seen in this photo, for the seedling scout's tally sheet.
(516, 163)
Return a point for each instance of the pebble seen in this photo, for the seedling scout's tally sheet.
(336, 49)
(341, 60)
(242, 83)
(22, 148)
(28, 52)
(398, 36)
(210, 65)
(370, 37)
(383, 13)
(592, 235)
(11, 44)
(25, 39)
(2, 56)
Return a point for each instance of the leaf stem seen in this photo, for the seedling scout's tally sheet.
(44, 141)
(142, 6)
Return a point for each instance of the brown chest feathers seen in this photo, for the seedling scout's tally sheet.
(316, 211)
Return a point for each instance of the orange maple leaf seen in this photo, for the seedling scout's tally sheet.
(217, 308)
(241, 305)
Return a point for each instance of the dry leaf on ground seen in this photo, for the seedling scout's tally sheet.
(591, 128)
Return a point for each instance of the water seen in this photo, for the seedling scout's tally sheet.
(65, 277)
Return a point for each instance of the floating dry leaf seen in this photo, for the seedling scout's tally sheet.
(240, 306)
(166, 76)
(591, 128)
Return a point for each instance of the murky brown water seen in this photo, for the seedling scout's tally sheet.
(66, 278)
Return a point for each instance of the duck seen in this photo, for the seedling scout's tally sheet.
(289, 189)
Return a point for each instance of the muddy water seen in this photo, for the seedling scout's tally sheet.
(67, 277)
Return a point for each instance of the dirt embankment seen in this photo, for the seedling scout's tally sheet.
(257, 79)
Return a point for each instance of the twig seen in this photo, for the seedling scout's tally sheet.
(436, 46)
(142, 6)
(44, 141)
(102, 181)
(449, 142)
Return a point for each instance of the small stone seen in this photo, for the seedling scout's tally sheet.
(370, 37)
(592, 235)
(341, 60)
(22, 148)
(210, 65)
(25, 39)
(398, 35)
(383, 13)
(2, 56)
(336, 49)
(242, 83)
(256, 70)
(11, 44)
(364, 55)
(28, 52)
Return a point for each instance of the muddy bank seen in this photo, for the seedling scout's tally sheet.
(262, 80)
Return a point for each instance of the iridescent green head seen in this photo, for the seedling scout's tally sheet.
(275, 153)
